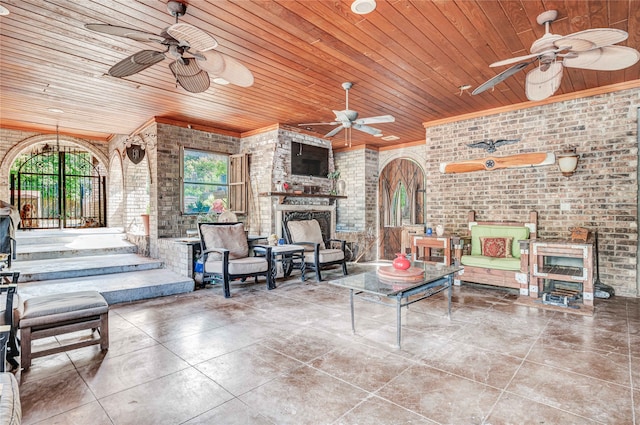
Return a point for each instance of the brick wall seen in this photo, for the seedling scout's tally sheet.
(602, 194)
(270, 163)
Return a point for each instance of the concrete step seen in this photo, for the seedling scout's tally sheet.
(51, 251)
(116, 288)
(68, 260)
(63, 268)
(26, 238)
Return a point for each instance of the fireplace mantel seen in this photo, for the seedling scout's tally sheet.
(283, 195)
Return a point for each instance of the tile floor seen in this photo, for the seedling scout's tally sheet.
(288, 356)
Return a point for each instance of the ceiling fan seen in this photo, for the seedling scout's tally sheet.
(589, 49)
(195, 62)
(348, 119)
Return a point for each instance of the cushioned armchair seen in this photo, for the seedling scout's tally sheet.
(318, 252)
(225, 255)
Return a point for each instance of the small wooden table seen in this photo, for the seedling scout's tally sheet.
(421, 246)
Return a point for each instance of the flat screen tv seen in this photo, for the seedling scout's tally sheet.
(308, 160)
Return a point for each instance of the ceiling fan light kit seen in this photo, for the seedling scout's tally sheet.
(591, 49)
(195, 61)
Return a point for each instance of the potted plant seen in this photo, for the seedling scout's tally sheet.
(333, 176)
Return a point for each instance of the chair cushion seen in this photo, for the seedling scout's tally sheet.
(56, 308)
(326, 256)
(246, 265)
(10, 408)
(306, 231)
(490, 262)
(231, 237)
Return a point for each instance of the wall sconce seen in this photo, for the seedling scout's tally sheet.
(568, 161)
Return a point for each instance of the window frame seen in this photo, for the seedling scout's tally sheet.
(184, 181)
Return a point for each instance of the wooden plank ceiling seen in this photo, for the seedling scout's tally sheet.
(407, 59)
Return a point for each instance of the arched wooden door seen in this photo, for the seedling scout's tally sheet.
(402, 203)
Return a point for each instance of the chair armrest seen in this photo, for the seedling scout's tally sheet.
(262, 251)
(205, 254)
(343, 243)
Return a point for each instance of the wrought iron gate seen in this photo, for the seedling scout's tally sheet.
(58, 187)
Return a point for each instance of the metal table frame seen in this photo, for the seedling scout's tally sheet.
(442, 279)
(289, 255)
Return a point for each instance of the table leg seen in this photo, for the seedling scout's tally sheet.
(302, 268)
(274, 270)
(399, 318)
(353, 320)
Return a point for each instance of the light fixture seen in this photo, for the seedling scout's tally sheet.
(3, 11)
(568, 161)
(362, 7)
(55, 110)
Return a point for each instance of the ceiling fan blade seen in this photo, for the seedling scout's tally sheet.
(375, 120)
(320, 123)
(608, 58)
(136, 63)
(502, 76)
(334, 131)
(197, 39)
(131, 33)
(592, 39)
(366, 129)
(226, 67)
(542, 84)
(516, 59)
(187, 69)
(195, 83)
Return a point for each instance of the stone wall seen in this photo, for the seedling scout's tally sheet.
(602, 194)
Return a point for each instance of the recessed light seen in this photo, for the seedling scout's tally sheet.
(377, 135)
(465, 87)
(3, 11)
(390, 138)
(55, 110)
(362, 7)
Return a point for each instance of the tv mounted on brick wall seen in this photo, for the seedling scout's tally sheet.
(308, 160)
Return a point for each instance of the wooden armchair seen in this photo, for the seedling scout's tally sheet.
(225, 256)
(319, 253)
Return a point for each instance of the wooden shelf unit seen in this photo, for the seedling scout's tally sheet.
(540, 270)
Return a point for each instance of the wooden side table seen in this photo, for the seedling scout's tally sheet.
(422, 245)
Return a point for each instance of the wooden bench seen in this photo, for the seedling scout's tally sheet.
(51, 315)
(510, 272)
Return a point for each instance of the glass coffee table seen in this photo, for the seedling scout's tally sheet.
(436, 279)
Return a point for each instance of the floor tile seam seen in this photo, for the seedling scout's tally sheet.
(624, 386)
(375, 396)
(221, 405)
(506, 391)
(180, 369)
